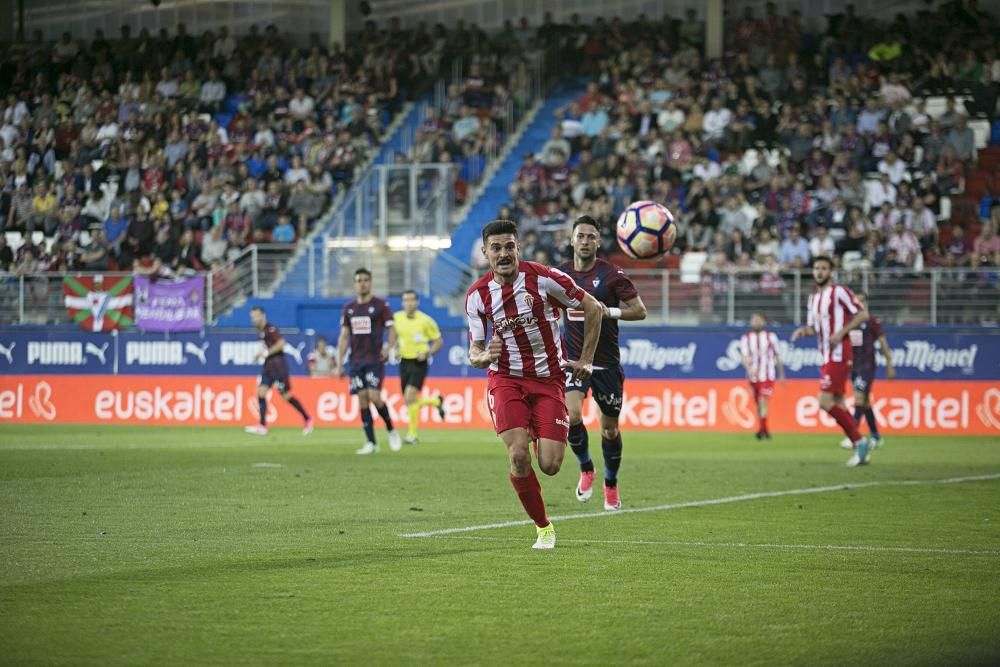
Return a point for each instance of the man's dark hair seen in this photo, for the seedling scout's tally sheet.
(320, 338)
(498, 228)
(258, 309)
(411, 291)
(362, 271)
(823, 258)
(586, 220)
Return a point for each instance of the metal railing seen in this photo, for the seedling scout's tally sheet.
(392, 221)
(952, 296)
(38, 298)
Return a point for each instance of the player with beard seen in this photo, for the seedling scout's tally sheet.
(609, 285)
(522, 303)
(833, 313)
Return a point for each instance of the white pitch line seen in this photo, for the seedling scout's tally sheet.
(750, 545)
(711, 501)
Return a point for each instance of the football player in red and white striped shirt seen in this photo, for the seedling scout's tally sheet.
(832, 313)
(762, 361)
(522, 303)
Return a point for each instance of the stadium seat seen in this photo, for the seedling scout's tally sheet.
(945, 213)
(691, 265)
(976, 184)
(935, 105)
(14, 240)
(981, 129)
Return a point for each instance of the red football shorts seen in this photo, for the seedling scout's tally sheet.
(762, 389)
(536, 405)
(834, 376)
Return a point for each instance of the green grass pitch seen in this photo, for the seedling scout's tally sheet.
(177, 546)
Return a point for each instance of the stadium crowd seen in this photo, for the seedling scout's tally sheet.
(794, 145)
(169, 153)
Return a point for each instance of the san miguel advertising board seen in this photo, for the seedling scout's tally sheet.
(948, 382)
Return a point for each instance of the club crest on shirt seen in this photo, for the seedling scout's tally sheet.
(596, 282)
(529, 300)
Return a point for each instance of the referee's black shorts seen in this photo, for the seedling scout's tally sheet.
(412, 373)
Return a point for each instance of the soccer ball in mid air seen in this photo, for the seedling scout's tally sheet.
(646, 230)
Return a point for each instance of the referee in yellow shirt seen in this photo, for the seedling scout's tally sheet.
(419, 337)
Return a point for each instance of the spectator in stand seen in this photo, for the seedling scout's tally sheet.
(43, 216)
(821, 245)
(212, 94)
(892, 167)
(881, 192)
(986, 248)
(556, 145)
(903, 247)
(188, 257)
(213, 247)
(950, 171)
(733, 218)
(95, 255)
(237, 228)
(921, 221)
(875, 250)
(306, 206)
(766, 247)
(6, 254)
(962, 139)
(885, 219)
(956, 253)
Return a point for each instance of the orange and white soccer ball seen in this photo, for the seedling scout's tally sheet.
(646, 230)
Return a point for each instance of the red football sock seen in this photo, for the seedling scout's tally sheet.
(530, 492)
(846, 422)
(763, 425)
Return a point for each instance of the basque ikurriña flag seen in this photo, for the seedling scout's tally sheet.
(98, 303)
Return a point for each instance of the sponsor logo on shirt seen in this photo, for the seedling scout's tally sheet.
(361, 325)
(514, 323)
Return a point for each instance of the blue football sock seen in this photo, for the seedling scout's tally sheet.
(366, 423)
(579, 442)
(612, 450)
(383, 412)
(872, 424)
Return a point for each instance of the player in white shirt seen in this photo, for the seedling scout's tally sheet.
(762, 361)
(833, 313)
